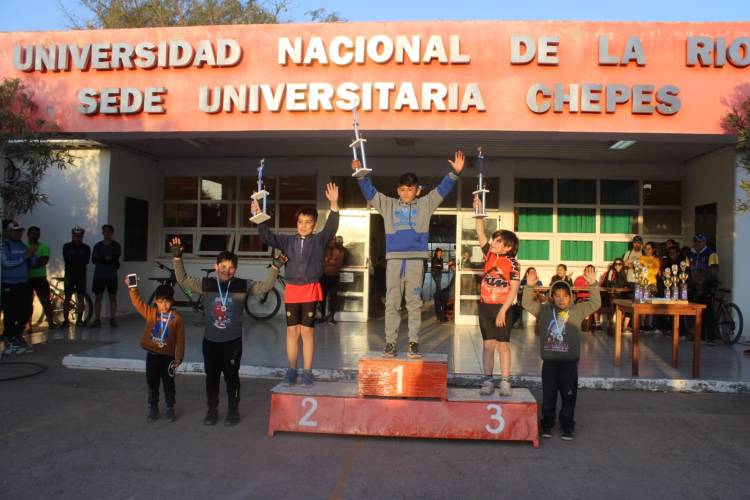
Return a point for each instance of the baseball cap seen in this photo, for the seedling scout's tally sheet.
(637, 239)
(699, 237)
(12, 225)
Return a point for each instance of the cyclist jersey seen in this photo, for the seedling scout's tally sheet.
(499, 271)
(76, 258)
(106, 260)
(42, 250)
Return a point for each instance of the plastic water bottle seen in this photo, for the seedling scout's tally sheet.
(638, 293)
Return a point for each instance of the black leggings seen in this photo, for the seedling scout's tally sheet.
(17, 306)
(157, 370)
(559, 377)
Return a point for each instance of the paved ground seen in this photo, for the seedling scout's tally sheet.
(83, 434)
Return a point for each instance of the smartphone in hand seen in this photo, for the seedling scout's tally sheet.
(132, 280)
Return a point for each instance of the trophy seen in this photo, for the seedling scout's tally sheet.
(668, 284)
(481, 188)
(683, 281)
(638, 292)
(261, 194)
(675, 281)
(359, 141)
(644, 283)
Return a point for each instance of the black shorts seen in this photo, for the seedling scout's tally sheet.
(101, 283)
(75, 284)
(490, 331)
(302, 313)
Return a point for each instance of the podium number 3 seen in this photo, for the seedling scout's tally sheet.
(496, 418)
(312, 404)
(399, 371)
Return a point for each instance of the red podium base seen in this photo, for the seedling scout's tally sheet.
(335, 408)
(401, 376)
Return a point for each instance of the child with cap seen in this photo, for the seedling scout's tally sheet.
(407, 227)
(559, 329)
(163, 340)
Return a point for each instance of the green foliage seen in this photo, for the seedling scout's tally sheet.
(738, 123)
(26, 151)
(115, 14)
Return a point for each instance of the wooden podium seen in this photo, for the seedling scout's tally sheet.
(401, 397)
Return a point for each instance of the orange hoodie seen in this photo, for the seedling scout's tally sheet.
(175, 341)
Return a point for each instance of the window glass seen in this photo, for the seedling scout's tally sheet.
(180, 188)
(576, 191)
(251, 243)
(576, 250)
(533, 220)
(469, 185)
(249, 185)
(180, 215)
(218, 188)
(298, 188)
(217, 215)
(533, 250)
(614, 250)
(614, 192)
(214, 243)
(534, 191)
(468, 228)
(619, 221)
(662, 193)
(576, 220)
(662, 222)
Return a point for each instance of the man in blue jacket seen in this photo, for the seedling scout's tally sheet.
(407, 229)
(17, 295)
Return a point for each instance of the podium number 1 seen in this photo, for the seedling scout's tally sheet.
(496, 417)
(311, 403)
(399, 371)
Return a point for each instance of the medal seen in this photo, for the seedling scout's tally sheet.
(223, 297)
(163, 327)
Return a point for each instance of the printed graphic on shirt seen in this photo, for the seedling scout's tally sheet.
(555, 340)
(499, 271)
(403, 217)
(160, 328)
(222, 316)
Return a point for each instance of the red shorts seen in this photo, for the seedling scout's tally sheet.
(297, 294)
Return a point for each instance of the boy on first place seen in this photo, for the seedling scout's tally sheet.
(407, 227)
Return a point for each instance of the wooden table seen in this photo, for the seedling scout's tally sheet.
(675, 310)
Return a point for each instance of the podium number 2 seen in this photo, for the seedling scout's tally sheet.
(312, 404)
(399, 371)
(496, 418)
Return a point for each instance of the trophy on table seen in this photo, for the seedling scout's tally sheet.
(638, 292)
(675, 281)
(359, 141)
(481, 191)
(668, 283)
(644, 283)
(261, 196)
(683, 281)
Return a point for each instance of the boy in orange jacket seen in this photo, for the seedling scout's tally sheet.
(164, 341)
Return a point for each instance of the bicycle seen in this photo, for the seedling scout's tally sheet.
(265, 306)
(57, 298)
(171, 280)
(728, 317)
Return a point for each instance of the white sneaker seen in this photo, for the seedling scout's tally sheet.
(505, 389)
(488, 387)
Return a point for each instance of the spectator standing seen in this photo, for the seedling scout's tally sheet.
(333, 261)
(16, 292)
(436, 271)
(106, 260)
(38, 274)
(76, 255)
(703, 279)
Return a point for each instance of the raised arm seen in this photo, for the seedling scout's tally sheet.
(479, 223)
(332, 222)
(259, 287)
(595, 301)
(377, 200)
(529, 302)
(279, 241)
(143, 309)
(187, 282)
(435, 197)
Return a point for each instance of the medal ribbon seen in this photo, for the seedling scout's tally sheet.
(223, 297)
(163, 327)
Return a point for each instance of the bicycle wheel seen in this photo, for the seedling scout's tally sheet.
(58, 309)
(262, 307)
(729, 323)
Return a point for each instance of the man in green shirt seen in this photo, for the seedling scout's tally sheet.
(38, 273)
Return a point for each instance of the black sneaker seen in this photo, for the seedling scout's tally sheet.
(546, 432)
(170, 414)
(153, 414)
(94, 324)
(568, 436)
(113, 323)
(390, 350)
(413, 350)
(212, 416)
(233, 418)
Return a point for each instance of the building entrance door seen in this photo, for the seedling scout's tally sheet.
(354, 284)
